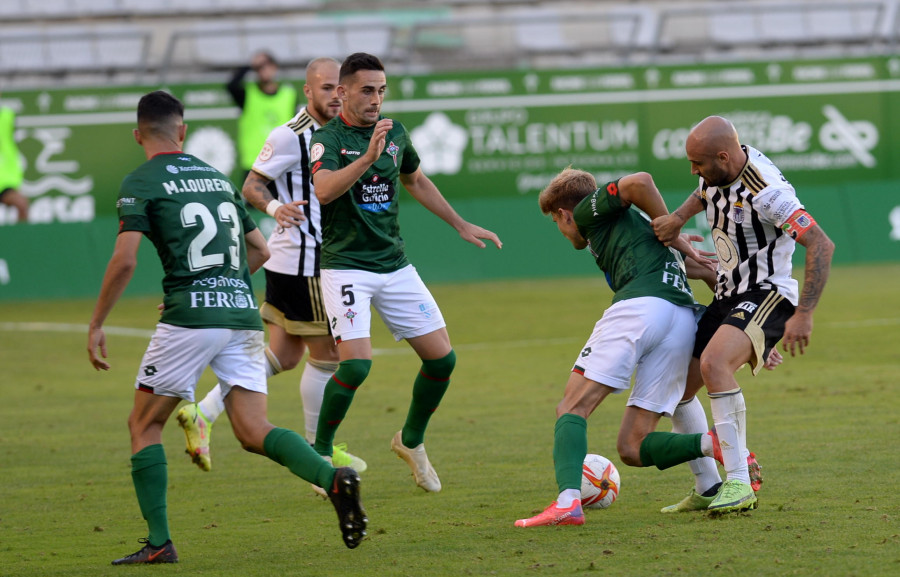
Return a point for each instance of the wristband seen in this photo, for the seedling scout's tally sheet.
(273, 206)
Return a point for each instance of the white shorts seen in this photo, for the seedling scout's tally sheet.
(400, 297)
(649, 337)
(177, 356)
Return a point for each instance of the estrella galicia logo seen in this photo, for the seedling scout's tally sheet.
(374, 194)
(150, 370)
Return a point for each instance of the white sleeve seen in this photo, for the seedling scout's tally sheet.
(776, 203)
(279, 154)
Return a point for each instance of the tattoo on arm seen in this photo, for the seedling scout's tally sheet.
(256, 192)
(819, 249)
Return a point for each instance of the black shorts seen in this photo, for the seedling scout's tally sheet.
(295, 304)
(761, 314)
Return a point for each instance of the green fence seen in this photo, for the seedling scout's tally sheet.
(490, 141)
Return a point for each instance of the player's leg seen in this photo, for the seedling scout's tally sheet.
(410, 312)
(239, 368)
(149, 473)
(347, 295)
(728, 350)
(247, 411)
(171, 366)
(581, 397)
(322, 363)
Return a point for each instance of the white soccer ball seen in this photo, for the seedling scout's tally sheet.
(599, 482)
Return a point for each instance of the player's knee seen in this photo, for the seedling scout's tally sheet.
(353, 372)
(629, 452)
(440, 368)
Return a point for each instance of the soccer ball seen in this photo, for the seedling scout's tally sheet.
(599, 482)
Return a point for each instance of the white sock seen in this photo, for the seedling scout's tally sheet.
(729, 414)
(567, 497)
(312, 388)
(689, 417)
(213, 404)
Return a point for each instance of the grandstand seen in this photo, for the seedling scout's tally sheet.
(45, 43)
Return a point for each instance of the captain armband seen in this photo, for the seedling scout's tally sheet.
(798, 223)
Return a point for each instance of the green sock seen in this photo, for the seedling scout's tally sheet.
(428, 389)
(150, 475)
(569, 450)
(287, 448)
(669, 449)
(336, 400)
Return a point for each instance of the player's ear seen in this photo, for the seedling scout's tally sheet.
(137, 136)
(342, 92)
(182, 131)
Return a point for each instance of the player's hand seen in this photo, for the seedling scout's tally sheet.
(290, 214)
(474, 234)
(161, 307)
(97, 339)
(796, 332)
(773, 360)
(682, 244)
(667, 228)
(377, 142)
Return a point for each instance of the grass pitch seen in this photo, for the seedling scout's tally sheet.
(825, 427)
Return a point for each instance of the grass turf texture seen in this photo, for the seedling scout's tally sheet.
(825, 427)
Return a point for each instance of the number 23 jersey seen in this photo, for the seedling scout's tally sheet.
(193, 216)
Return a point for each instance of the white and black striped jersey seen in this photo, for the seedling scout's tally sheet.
(746, 217)
(284, 160)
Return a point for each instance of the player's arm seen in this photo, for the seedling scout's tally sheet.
(256, 192)
(819, 249)
(427, 194)
(118, 274)
(235, 86)
(331, 184)
(668, 227)
(257, 249)
(640, 190)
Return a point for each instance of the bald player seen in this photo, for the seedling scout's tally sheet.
(756, 221)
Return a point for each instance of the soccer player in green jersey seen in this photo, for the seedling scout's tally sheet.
(357, 160)
(648, 331)
(208, 246)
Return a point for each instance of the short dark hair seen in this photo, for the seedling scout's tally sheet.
(158, 112)
(359, 61)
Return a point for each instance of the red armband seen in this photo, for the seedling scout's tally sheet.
(798, 223)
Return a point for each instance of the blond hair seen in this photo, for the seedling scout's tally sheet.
(566, 190)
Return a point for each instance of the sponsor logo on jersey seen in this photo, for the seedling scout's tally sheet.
(221, 300)
(346, 152)
(739, 315)
(373, 195)
(316, 152)
(172, 169)
(129, 201)
(747, 306)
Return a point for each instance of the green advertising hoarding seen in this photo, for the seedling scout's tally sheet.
(491, 141)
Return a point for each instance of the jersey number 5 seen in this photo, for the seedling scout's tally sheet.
(195, 213)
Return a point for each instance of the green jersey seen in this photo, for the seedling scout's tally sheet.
(196, 220)
(360, 230)
(626, 249)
